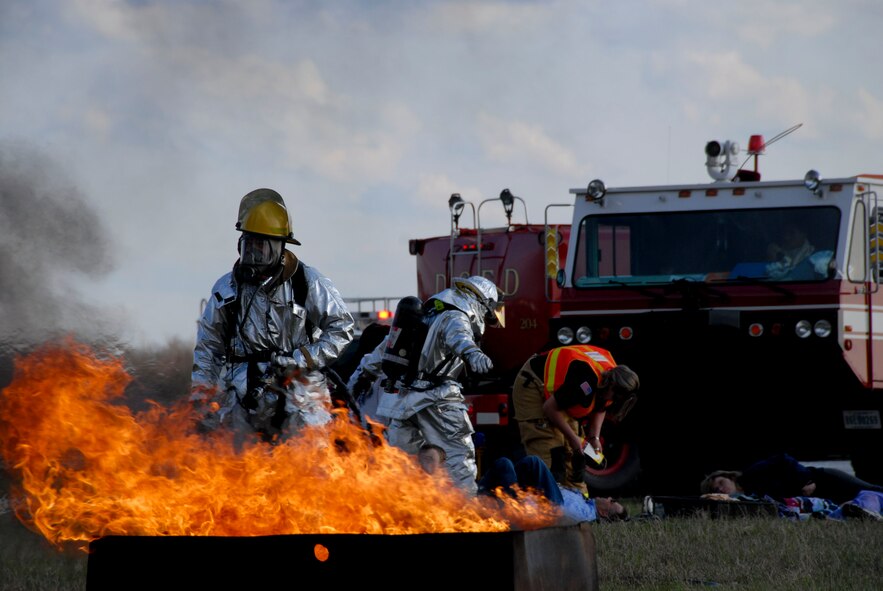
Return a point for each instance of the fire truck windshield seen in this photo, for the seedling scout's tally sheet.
(770, 244)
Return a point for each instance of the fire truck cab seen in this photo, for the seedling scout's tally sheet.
(750, 309)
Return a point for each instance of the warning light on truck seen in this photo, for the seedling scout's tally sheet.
(551, 252)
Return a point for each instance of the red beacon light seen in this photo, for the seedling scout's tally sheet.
(384, 315)
(756, 145)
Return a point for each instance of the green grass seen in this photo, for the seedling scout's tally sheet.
(739, 553)
(675, 553)
(29, 563)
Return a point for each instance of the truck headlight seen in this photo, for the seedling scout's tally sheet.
(584, 334)
(803, 329)
(822, 328)
(565, 335)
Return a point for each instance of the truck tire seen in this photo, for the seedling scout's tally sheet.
(620, 472)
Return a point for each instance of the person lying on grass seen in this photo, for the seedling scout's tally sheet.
(866, 505)
(781, 476)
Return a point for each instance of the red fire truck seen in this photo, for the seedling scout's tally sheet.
(750, 309)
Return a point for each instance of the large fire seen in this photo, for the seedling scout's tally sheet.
(87, 467)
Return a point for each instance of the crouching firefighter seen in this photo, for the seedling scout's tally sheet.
(424, 403)
(564, 395)
(271, 325)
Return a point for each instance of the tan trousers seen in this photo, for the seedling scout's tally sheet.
(538, 436)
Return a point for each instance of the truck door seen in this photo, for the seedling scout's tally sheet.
(862, 300)
(873, 294)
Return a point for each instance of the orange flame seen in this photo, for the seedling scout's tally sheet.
(90, 468)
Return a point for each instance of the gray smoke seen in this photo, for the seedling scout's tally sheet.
(49, 234)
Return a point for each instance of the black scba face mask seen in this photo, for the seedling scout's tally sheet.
(258, 256)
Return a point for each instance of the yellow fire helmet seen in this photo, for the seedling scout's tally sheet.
(263, 212)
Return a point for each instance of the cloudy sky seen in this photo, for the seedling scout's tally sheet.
(129, 130)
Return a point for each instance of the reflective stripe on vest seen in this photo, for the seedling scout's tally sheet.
(559, 360)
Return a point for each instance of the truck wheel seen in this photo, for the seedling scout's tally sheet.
(620, 472)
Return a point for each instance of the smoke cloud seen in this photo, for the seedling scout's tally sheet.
(48, 235)
(51, 239)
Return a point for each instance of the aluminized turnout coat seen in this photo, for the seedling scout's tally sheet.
(269, 320)
(432, 409)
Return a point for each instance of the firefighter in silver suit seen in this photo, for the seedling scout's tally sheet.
(270, 317)
(431, 408)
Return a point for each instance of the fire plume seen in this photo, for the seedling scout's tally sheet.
(88, 467)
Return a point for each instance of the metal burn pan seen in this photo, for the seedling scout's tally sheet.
(560, 558)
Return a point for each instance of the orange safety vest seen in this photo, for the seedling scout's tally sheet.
(559, 360)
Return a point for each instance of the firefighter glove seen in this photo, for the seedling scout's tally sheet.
(479, 362)
(295, 361)
(363, 386)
